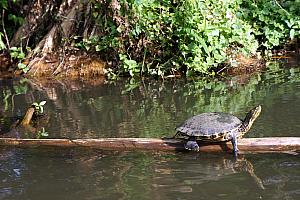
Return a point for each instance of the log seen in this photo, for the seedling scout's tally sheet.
(245, 145)
(28, 116)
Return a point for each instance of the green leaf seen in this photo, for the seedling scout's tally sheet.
(35, 104)
(13, 49)
(23, 67)
(42, 103)
(203, 44)
(292, 34)
(4, 4)
(2, 45)
(41, 109)
(215, 32)
(21, 56)
(44, 134)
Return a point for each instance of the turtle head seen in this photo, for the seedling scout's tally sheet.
(251, 117)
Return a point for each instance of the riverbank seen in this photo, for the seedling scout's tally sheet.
(148, 38)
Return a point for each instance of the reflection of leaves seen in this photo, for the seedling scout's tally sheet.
(153, 109)
(164, 108)
(133, 83)
(20, 89)
(97, 104)
(7, 94)
(42, 133)
(23, 81)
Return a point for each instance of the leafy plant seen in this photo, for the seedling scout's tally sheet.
(2, 44)
(18, 54)
(17, 20)
(275, 22)
(129, 65)
(11, 19)
(42, 133)
(10, 93)
(159, 37)
(23, 67)
(39, 107)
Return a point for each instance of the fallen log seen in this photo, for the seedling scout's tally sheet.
(245, 145)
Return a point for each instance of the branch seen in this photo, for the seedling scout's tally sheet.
(4, 31)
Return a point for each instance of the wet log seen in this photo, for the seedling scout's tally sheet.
(245, 145)
(28, 116)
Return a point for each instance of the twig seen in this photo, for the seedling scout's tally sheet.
(278, 4)
(4, 31)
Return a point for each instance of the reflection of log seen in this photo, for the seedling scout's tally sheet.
(268, 144)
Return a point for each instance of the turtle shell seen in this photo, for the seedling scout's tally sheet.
(210, 126)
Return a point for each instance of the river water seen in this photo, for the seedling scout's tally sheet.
(148, 108)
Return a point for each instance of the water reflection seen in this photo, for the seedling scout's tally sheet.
(93, 174)
(154, 108)
(199, 170)
(149, 109)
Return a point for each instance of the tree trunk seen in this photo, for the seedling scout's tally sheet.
(48, 30)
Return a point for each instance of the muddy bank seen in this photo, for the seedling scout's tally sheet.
(54, 66)
(71, 66)
(80, 65)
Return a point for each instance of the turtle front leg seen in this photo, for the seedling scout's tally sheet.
(192, 145)
(234, 145)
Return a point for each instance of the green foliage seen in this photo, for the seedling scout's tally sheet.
(19, 55)
(23, 67)
(39, 107)
(10, 93)
(42, 133)
(3, 4)
(12, 19)
(10, 22)
(162, 37)
(207, 29)
(2, 45)
(129, 65)
(274, 21)
(17, 20)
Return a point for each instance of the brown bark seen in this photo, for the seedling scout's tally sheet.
(246, 145)
(34, 24)
(48, 29)
(28, 116)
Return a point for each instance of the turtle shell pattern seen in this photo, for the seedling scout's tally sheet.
(213, 127)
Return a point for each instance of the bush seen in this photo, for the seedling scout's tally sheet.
(163, 37)
(274, 22)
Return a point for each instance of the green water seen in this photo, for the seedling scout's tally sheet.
(150, 109)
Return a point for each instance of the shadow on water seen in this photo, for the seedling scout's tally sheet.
(135, 108)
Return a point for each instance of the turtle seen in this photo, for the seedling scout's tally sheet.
(215, 127)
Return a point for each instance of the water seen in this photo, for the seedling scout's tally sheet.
(149, 109)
